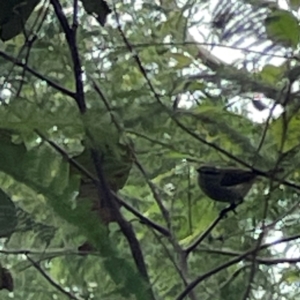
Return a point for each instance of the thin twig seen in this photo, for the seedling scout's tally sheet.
(172, 259)
(38, 75)
(261, 236)
(70, 34)
(164, 231)
(189, 199)
(107, 105)
(264, 134)
(155, 194)
(237, 259)
(192, 247)
(50, 280)
(199, 279)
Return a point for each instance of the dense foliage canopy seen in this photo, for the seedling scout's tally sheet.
(107, 110)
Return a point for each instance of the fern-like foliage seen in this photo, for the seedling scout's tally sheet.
(242, 24)
(26, 222)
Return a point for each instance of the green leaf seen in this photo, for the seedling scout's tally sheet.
(8, 216)
(39, 168)
(295, 4)
(96, 232)
(99, 8)
(9, 154)
(172, 24)
(283, 28)
(182, 60)
(14, 15)
(291, 276)
(26, 222)
(271, 74)
(288, 137)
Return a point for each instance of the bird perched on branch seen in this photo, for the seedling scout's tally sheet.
(229, 185)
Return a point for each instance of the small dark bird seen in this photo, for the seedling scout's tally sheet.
(225, 184)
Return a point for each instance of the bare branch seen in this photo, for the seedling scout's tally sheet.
(51, 281)
(70, 34)
(38, 75)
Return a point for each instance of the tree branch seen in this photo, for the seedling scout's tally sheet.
(125, 226)
(38, 75)
(50, 280)
(70, 34)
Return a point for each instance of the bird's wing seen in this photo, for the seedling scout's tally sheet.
(237, 177)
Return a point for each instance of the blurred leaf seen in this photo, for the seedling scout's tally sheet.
(13, 17)
(6, 280)
(182, 60)
(8, 216)
(271, 74)
(291, 276)
(116, 164)
(99, 8)
(94, 230)
(26, 222)
(282, 27)
(295, 4)
(288, 137)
